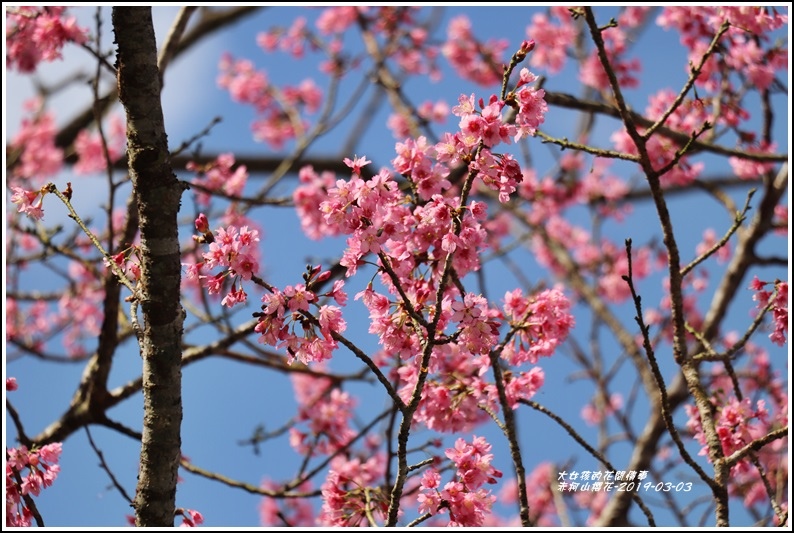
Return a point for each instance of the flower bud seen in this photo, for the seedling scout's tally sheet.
(202, 224)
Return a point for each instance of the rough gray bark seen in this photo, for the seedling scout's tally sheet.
(158, 192)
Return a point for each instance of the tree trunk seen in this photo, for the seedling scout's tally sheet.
(158, 192)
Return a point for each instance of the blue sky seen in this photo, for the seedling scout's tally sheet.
(224, 401)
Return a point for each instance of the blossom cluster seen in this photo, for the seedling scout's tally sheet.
(399, 124)
(278, 108)
(353, 492)
(128, 261)
(411, 233)
(473, 60)
(326, 411)
(532, 107)
(42, 468)
(464, 497)
(417, 227)
(36, 34)
(744, 42)
(617, 42)
(39, 157)
(687, 118)
(541, 323)
(30, 202)
(738, 423)
(232, 249)
(295, 319)
(91, 148)
(31, 325)
(294, 512)
(218, 176)
(311, 192)
(778, 299)
(758, 407)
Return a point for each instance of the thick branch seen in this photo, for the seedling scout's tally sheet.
(158, 193)
(210, 22)
(569, 101)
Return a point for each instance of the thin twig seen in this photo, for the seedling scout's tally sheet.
(419, 520)
(755, 445)
(21, 435)
(29, 503)
(665, 405)
(123, 279)
(169, 48)
(738, 220)
(564, 143)
(693, 76)
(253, 489)
(106, 468)
(592, 451)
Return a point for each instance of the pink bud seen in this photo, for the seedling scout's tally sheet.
(202, 224)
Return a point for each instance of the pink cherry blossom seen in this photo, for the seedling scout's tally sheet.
(233, 249)
(357, 163)
(429, 498)
(191, 518)
(532, 106)
(689, 117)
(298, 298)
(277, 109)
(540, 483)
(307, 94)
(244, 83)
(25, 199)
(293, 40)
(234, 297)
(308, 197)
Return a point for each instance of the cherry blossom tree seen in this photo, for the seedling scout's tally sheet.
(535, 304)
